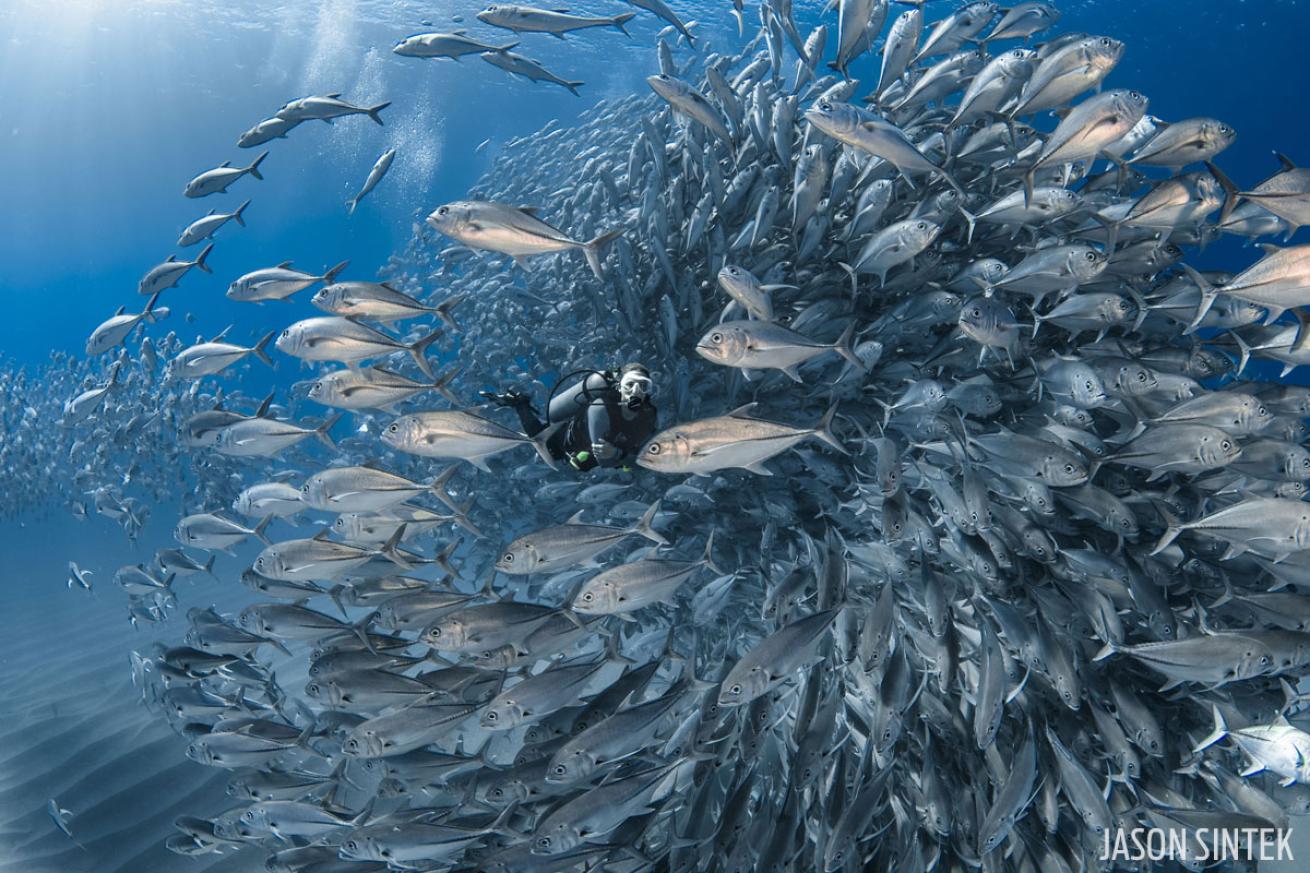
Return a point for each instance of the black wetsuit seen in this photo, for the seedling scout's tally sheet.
(594, 417)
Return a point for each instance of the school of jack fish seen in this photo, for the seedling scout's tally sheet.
(967, 538)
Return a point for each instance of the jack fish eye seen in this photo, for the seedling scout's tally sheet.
(653, 449)
(1091, 256)
(393, 428)
(716, 337)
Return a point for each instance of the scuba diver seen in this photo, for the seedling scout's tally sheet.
(602, 421)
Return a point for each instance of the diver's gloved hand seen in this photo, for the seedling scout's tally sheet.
(507, 398)
(604, 451)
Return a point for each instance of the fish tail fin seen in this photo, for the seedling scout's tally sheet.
(507, 47)
(438, 484)
(442, 386)
(331, 275)
(1038, 321)
(622, 19)
(971, 220)
(595, 250)
(351, 204)
(390, 549)
(322, 431)
(643, 525)
(1226, 597)
(442, 560)
(444, 307)
(539, 442)
(335, 594)
(1218, 733)
(823, 430)
(465, 522)
(374, 112)
(259, 533)
(1173, 529)
(1106, 651)
(1208, 294)
(850, 271)
(204, 256)
(843, 347)
(573, 87)
(708, 560)
(258, 350)
(1028, 181)
(253, 169)
(1231, 195)
(237, 216)
(1244, 352)
(209, 566)
(1291, 697)
(418, 348)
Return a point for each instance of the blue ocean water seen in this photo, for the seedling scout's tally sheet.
(107, 107)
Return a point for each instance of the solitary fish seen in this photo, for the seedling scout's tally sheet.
(734, 440)
(217, 180)
(512, 230)
(529, 19)
(375, 175)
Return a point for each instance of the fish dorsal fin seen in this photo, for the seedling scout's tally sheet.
(459, 32)
(1285, 161)
(170, 259)
(226, 164)
(222, 333)
(1060, 113)
(534, 211)
(1269, 248)
(210, 212)
(285, 265)
(576, 518)
(372, 464)
(119, 310)
(322, 534)
(335, 95)
(743, 411)
(263, 407)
